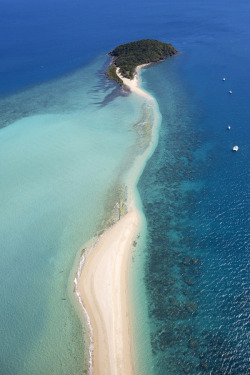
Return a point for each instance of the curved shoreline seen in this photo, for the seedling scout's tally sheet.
(133, 84)
(102, 281)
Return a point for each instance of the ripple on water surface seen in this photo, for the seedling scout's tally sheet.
(196, 263)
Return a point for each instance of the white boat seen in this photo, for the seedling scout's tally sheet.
(223, 79)
(229, 127)
(230, 91)
(235, 148)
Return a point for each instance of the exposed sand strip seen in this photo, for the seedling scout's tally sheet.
(133, 84)
(103, 288)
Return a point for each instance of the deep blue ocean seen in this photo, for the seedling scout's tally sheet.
(194, 189)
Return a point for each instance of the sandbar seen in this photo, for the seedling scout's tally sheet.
(103, 287)
(104, 291)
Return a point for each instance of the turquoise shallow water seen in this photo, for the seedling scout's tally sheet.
(61, 166)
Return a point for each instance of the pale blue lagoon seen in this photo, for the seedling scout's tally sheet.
(62, 166)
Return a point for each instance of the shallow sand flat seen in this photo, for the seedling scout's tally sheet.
(103, 287)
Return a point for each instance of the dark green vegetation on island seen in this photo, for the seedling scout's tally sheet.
(128, 56)
(111, 74)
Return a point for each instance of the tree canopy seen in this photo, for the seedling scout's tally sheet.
(128, 56)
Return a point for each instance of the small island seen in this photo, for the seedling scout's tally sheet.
(127, 57)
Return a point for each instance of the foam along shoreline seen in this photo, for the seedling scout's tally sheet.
(102, 286)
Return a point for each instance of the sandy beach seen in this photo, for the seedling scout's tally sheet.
(103, 289)
(133, 84)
